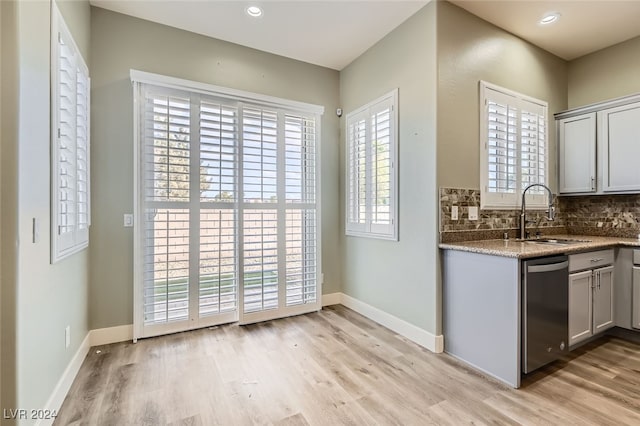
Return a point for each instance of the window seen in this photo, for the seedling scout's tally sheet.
(227, 206)
(70, 198)
(371, 136)
(513, 137)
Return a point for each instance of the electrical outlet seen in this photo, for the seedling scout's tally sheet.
(454, 213)
(473, 213)
(67, 336)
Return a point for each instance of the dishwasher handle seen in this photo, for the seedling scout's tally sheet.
(548, 267)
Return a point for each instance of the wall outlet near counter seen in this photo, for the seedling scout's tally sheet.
(454, 212)
(473, 213)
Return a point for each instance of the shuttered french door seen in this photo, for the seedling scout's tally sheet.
(227, 224)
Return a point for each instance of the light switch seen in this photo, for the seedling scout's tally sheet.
(473, 213)
(454, 213)
(128, 220)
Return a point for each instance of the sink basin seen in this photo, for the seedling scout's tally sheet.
(555, 241)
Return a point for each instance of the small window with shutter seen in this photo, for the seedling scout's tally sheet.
(513, 137)
(70, 197)
(372, 169)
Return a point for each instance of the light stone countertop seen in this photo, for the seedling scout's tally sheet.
(523, 250)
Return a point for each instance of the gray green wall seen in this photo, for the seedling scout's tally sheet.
(42, 298)
(399, 277)
(120, 43)
(469, 50)
(605, 74)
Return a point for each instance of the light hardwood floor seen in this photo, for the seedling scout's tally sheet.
(336, 367)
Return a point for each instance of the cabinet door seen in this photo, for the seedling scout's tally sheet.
(580, 306)
(635, 295)
(620, 147)
(577, 154)
(603, 299)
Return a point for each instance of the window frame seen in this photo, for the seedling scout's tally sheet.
(368, 228)
(536, 199)
(76, 239)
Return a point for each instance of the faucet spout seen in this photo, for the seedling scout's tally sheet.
(551, 214)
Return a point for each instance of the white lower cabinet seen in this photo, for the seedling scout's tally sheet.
(603, 299)
(590, 302)
(580, 306)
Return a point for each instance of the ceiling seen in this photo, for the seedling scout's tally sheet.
(584, 25)
(328, 33)
(332, 33)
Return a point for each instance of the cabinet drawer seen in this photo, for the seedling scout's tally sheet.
(636, 257)
(592, 259)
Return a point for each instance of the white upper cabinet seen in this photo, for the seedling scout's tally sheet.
(577, 154)
(620, 140)
(599, 148)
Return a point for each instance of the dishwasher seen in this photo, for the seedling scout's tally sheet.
(545, 311)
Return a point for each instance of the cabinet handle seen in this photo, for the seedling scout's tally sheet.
(593, 183)
(597, 259)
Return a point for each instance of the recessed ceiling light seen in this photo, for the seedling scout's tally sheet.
(254, 11)
(549, 18)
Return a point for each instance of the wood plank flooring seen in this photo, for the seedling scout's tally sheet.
(336, 367)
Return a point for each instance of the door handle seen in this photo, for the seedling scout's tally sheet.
(548, 268)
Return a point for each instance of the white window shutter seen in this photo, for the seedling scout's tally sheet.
(513, 136)
(372, 169)
(227, 209)
(357, 176)
(70, 160)
(83, 186)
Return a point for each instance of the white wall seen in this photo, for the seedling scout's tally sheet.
(400, 277)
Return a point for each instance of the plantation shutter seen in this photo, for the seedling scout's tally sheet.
(502, 159)
(379, 158)
(301, 229)
(70, 159)
(357, 185)
(218, 271)
(82, 151)
(66, 147)
(514, 150)
(167, 150)
(533, 146)
(371, 169)
(227, 211)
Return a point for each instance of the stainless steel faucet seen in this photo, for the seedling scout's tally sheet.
(523, 219)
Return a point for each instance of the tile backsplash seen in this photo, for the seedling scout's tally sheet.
(611, 215)
(614, 215)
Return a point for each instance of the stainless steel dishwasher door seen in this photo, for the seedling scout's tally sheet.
(545, 316)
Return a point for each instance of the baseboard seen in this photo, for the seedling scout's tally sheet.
(105, 336)
(331, 299)
(64, 384)
(415, 334)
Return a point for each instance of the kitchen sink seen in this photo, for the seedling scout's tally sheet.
(554, 241)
